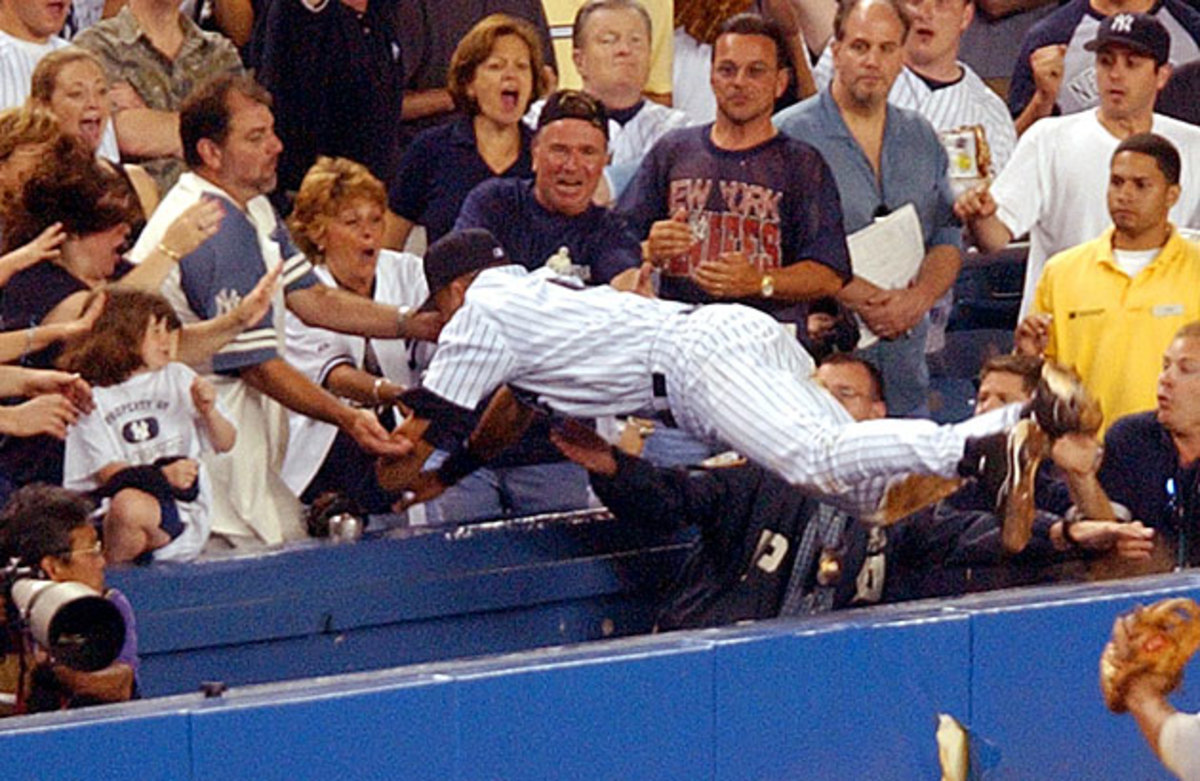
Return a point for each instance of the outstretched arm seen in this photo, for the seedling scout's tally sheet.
(501, 425)
(639, 492)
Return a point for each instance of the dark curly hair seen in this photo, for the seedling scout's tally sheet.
(112, 350)
(38, 521)
(71, 187)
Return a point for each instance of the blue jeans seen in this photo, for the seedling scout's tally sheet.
(668, 447)
(509, 492)
(905, 371)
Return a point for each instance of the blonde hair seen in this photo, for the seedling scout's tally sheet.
(25, 126)
(329, 184)
(45, 75)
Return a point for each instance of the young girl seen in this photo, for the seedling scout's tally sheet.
(141, 444)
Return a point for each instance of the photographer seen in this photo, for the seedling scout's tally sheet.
(49, 529)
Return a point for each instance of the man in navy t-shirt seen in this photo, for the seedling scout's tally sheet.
(534, 219)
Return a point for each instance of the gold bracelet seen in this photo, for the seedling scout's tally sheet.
(170, 253)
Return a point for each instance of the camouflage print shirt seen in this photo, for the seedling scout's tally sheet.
(162, 82)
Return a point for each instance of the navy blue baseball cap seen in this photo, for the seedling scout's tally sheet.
(459, 253)
(1142, 33)
(573, 104)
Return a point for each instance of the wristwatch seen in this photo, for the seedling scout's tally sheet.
(768, 286)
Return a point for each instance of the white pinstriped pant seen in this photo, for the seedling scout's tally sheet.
(735, 376)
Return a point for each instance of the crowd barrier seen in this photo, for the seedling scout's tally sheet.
(850, 695)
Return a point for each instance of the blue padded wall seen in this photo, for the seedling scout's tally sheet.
(1036, 705)
(384, 730)
(844, 700)
(645, 713)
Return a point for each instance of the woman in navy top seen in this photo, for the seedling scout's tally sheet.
(496, 71)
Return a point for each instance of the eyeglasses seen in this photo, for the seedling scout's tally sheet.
(96, 549)
(754, 71)
(939, 5)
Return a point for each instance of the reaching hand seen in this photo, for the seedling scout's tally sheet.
(83, 324)
(254, 305)
(974, 204)
(399, 473)
(670, 238)
(194, 226)
(1033, 335)
(423, 326)
(1129, 540)
(372, 437)
(48, 414)
(1078, 454)
(45, 247)
(70, 386)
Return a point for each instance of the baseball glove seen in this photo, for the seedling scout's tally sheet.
(1158, 639)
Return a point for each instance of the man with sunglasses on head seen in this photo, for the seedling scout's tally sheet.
(535, 219)
(550, 218)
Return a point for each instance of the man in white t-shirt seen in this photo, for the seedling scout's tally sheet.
(1054, 186)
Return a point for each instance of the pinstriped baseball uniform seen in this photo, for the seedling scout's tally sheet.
(733, 375)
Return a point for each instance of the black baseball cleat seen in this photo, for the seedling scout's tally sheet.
(1060, 405)
(1005, 465)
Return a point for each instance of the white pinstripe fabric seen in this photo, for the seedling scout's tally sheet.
(586, 352)
(734, 376)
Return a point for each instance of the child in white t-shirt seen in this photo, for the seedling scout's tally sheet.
(140, 446)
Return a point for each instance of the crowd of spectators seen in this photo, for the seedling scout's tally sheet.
(214, 215)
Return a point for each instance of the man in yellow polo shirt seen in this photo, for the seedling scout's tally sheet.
(1111, 306)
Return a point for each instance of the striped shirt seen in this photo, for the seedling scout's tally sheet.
(212, 279)
(584, 353)
(733, 375)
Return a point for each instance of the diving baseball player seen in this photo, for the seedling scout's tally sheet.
(726, 373)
